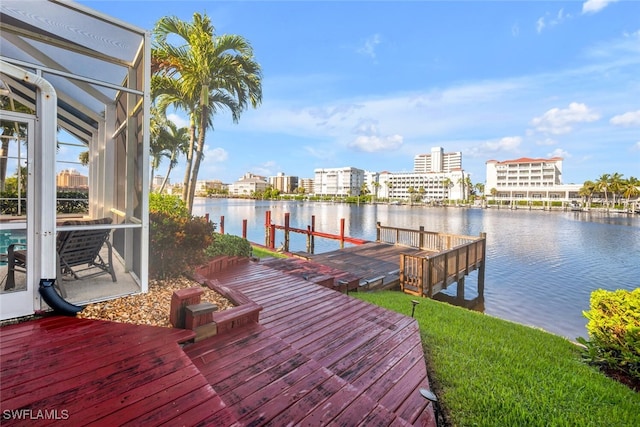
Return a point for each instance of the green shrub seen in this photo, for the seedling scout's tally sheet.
(177, 240)
(168, 204)
(614, 330)
(226, 244)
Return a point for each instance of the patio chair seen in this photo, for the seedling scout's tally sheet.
(77, 251)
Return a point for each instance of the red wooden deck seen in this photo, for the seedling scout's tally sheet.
(317, 357)
(69, 371)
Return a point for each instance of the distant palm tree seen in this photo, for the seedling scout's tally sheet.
(376, 186)
(631, 188)
(602, 184)
(587, 190)
(213, 73)
(616, 184)
(494, 192)
(176, 142)
(446, 183)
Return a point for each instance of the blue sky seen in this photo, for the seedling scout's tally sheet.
(372, 84)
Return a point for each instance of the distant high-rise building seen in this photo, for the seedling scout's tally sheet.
(71, 178)
(307, 184)
(284, 183)
(437, 161)
(524, 172)
(345, 181)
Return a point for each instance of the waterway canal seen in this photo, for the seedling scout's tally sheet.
(541, 266)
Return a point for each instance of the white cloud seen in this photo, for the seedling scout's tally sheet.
(559, 152)
(551, 21)
(508, 143)
(559, 121)
(217, 155)
(370, 140)
(319, 154)
(373, 143)
(594, 6)
(369, 47)
(636, 146)
(515, 30)
(180, 122)
(547, 141)
(268, 168)
(631, 118)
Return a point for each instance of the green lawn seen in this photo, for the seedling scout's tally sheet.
(260, 252)
(491, 372)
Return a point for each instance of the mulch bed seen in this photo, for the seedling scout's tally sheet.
(151, 308)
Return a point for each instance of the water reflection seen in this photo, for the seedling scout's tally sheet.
(541, 266)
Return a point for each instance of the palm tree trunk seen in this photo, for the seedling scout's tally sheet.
(172, 162)
(187, 171)
(198, 158)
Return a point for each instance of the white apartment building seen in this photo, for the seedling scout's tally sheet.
(284, 183)
(529, 179)
(346, 181)
(202, 186)
(437, 161)
(426, 186)
(248, 184)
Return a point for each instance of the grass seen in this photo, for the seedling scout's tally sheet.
(260, 252)
(491, 372)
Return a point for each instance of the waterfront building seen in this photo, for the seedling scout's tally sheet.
(284, 183)
(371, 180)
(425, 186)
(247, 185)
(72, 179)
(437, 161)
(307, 184)
(345, 181)
(157, 180)
(529, 179)
(203, 186)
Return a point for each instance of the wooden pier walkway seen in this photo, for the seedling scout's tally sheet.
(377, 264)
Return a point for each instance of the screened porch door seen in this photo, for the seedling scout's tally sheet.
(16, 161)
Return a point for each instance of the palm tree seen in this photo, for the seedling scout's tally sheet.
(213, 72)
(446, 183)
(411, 191)
(157, 150)
(176, 142)
(376, 186)
(470, 187)
(602, 184)
(168, 92)
(587, 190)
(389, 185)
(616, 184)
(631, 188)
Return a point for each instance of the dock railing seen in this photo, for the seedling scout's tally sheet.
(454, 258)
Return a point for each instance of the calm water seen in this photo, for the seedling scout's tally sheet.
(541, 266)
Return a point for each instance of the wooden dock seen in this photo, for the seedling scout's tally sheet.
(376, 264)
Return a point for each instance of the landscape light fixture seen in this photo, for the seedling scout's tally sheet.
(413, 307)
(431, 397)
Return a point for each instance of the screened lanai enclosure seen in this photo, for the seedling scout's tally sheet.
(74, 116)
